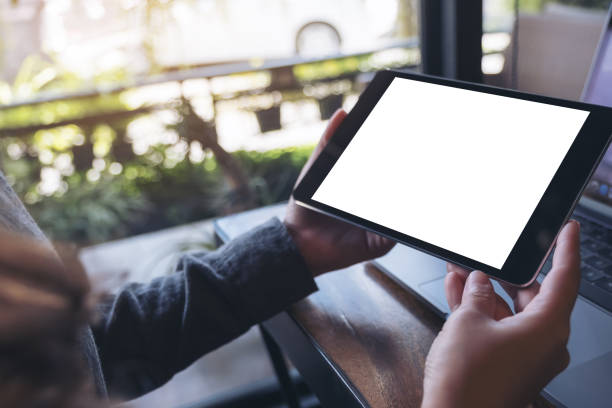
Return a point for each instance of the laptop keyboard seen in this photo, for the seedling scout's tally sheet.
(596, 266)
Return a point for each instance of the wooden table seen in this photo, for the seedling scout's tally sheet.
(360, 341)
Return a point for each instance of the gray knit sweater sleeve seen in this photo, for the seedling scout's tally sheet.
(149, 332)
(15, 218)
(13, 215)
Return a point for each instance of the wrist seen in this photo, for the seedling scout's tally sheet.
(300, 239)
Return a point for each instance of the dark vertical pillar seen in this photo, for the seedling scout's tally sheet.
(468, 39)
(451, 38)
(431, 36)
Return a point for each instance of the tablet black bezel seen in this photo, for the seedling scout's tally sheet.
(555, 207)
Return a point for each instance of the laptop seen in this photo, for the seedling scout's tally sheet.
(587, 382)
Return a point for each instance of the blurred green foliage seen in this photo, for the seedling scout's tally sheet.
(537, 5)
(333, 68)
(85, 178)
(102, 189)
(51, 112)
(273, 173)
(92, 212)
(146, 198)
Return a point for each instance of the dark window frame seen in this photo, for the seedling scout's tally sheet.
(451, 39)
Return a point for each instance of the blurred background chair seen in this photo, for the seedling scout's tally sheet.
(555, 51)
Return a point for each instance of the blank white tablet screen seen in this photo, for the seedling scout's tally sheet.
(458, 169)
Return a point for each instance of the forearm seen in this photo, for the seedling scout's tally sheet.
(158, 329)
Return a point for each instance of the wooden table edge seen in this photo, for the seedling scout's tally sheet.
(309, 359)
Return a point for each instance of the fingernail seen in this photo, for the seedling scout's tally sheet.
(478, 277)
(338, 111)
(478, 281)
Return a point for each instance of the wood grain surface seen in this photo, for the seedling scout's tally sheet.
(377, 333)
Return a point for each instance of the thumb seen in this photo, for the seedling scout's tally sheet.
(332, 126)
(479, 294)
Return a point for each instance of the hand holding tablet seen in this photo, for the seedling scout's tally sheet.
(328, 244)
(478, 176)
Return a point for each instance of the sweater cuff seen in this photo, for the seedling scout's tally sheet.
(270, 273)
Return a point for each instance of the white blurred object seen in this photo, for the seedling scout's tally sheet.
(230, 30)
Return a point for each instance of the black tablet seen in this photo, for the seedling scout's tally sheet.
(479, 176)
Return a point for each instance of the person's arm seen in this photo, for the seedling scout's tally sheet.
(13, 215)
(485, 356)
(149, 332)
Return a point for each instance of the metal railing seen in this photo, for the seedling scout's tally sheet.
(282, 73)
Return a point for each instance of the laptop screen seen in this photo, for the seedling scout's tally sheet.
(598, 90)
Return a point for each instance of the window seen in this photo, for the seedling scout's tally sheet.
(120, 117)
